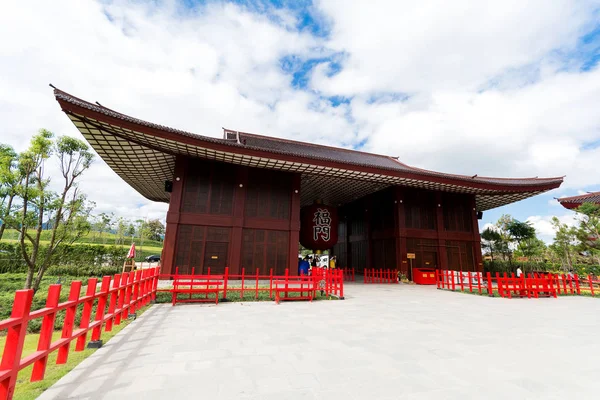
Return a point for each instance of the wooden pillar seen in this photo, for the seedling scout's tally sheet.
(168, 257)
(239, 202)
(367, 218)
(476, 238)
(442, 254)
(294, 232)
(400, 224)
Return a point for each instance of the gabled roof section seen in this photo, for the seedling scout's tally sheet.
(575, 201)
(143, 154)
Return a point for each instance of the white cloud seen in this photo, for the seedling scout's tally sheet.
(490, 87)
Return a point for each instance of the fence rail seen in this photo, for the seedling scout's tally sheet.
(330, 282)
(347, 274)
(118, 297)
(528, 285)
(380, 275)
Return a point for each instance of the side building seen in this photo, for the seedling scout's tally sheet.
(236, 201)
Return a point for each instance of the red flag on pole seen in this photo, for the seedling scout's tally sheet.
(131, 253)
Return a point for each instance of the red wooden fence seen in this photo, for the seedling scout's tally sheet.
(380, 276)
(347, 274)
(528, 285)
(127, 294)
(331, 282)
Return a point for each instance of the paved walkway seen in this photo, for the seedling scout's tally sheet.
(383, 342)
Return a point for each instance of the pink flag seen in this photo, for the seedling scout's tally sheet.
(131, 253)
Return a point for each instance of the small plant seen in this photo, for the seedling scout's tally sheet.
(402, 277)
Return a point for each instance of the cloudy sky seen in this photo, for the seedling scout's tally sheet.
(500, 88)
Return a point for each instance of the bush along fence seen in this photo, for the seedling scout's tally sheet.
(119, 297)
(380, 276)
(532, 285)
(539, 267)
(217, 287)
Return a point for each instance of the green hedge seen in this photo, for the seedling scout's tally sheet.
(529, 266)
(89, 258)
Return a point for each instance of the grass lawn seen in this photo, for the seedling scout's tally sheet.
(31, 390)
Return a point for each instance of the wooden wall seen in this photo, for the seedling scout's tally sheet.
(382, 228)
(226, 215)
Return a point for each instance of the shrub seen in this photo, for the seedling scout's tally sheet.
(530, 266)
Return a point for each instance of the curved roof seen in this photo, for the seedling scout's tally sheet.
(143, 154)
(575, 201)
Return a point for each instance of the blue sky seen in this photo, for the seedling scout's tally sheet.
(492, 88)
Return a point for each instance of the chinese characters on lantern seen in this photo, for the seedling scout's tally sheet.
(322, 225)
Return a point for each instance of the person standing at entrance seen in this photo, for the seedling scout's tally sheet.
(519, 272)
(303, 267)
(332, 262)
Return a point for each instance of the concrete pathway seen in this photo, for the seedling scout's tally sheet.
(383, 342)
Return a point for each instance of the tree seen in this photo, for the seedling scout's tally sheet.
(532, 248)
(491, 241)
(563, 242)
(155, 229)
(521, 234)
(106, 223)
(121, 228)
(588, 232)
(66, 211)
(9, 179)
(131, 231)
(513, 234)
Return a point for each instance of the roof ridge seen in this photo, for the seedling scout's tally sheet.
(308, 143)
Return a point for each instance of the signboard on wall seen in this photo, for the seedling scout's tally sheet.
(410, 255)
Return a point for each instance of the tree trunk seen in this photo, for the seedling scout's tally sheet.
(29, 278)
(8, 205)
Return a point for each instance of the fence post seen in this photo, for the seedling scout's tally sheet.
(121, 313)
(113, 302)
(342, 289)
(453, 280)
(577, 289)
(63, 351)
(365, 275)
(490, 287)
(155, 283)
(39, 367)
(470, 282)
(15, 338)
(225, 281)
(437, 280)
(90, 295)
(256, 293)
(97, 331)
(287, 274)
(478, 281)
(591, 284)
(242, 290)
(136, 292)
(271, 283)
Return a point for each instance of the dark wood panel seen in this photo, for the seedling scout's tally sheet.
(268, 194)
(263, 250)
(200, 247)
(208, 187)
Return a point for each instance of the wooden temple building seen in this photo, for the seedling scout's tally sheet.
(575, 201)
(236, 201)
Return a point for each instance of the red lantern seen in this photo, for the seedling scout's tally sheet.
(318, 227)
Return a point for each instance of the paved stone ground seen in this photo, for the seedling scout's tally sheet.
(383, 342)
